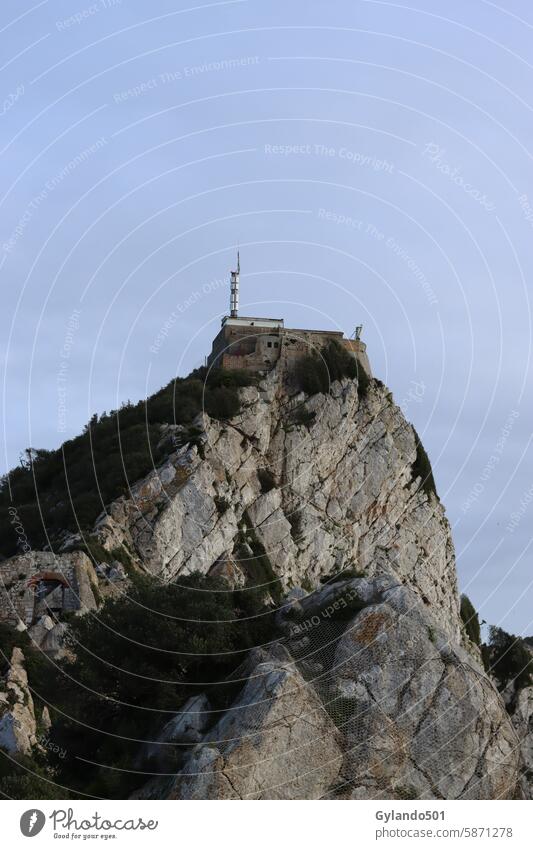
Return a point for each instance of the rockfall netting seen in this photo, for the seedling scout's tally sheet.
(363, 697)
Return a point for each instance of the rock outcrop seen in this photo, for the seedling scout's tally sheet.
(276, 742)
(18, 727)
(520, 706)
(186, 728)
(370, 687)
(318, 485)
(370, 700)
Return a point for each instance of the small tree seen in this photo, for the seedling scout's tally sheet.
(470, 620)
(422, 468)
(510, 659)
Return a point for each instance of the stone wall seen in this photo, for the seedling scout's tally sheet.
(258, 349)
(18, 598)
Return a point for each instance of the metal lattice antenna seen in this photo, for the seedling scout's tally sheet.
(234, 289)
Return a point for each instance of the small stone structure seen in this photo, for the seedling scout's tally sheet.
(41, 583)
(256, 344)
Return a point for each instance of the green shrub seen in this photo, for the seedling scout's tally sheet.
(317, 371)
(363, 380)
(342, 710)
(96, 551)
(346, 574)
(422, 468)
(311, 376)
(339, 361)
(470, 620)
(510, 659)
(222, 403)
(24, 778)
(121, 554)
(66, 489)
(260, 576)
(406, 791)
(135, 664)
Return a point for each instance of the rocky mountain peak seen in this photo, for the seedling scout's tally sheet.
(291, 491)
(323, 506)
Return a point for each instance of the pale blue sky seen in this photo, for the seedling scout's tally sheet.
(141, 142)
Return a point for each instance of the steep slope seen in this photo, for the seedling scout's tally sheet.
(324, 506)
(376, 704)
(292, 490)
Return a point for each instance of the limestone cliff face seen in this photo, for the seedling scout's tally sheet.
(369, 687)
(520, 706)
(317, 485)
(18, 727)
(368, 692)
(376, 704)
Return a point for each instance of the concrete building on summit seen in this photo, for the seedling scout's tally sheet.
(256, 344)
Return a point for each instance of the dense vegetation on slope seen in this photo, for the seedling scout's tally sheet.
(317, 371)
(506, 657)
(509, 659)
(136, 662)
(66, 489)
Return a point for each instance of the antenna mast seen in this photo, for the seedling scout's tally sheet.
(234, 289)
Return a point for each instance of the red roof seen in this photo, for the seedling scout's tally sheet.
(48, 576)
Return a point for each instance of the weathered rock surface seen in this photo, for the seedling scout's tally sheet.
(18, 727)
(425, 720)
(186, 728)
(521, 708)
(371, 690)
(342, 494)
(372, 701)
(276, 742)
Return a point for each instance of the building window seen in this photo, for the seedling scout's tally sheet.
(276, 344)
(269, 344)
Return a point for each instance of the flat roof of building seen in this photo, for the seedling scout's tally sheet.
(258, 321)
(251, 321)
(307, 330)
